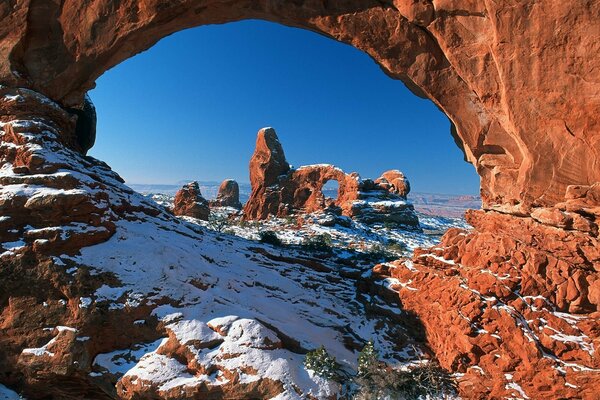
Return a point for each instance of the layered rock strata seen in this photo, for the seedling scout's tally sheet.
(513, 305)
(279, 190)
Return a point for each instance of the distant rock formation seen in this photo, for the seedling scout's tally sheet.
(279, 190)
(228, 195)
(190, 203)
(394, 181)
(383, 202)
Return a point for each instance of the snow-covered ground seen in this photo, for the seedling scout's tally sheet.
(346, 238)
(230, 308)
(208, 276)
(7, 394)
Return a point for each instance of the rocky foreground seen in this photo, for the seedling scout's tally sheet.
(96, 281)
(105, 294)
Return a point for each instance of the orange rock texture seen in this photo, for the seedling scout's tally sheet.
(279, 190)
(512, 305)
(509, 312)
(228, 195)
(516, 80)
(190, 203)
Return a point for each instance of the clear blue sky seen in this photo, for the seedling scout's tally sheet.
(190, 107)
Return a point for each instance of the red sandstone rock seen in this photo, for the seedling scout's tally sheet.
(504, 308)
(519, 83)
(190, 203)
(508, 101)
(54, 202)
(395, 182)
(278, 190)
(228, 195)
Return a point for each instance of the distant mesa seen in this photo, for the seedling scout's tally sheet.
(190, 203)
(280, 190)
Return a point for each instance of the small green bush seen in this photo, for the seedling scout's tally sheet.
(376, 380)
(218, 222)
(322, 364)
(378, 253)
(320, 243)
(270, 237)
(368, 358)
(396, 246)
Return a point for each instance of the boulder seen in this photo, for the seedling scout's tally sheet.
(190, 203)
(395, 182)
(228, 195)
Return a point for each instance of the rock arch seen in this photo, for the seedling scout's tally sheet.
(525, 119)
(520, 82)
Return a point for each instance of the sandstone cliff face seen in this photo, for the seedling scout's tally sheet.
(519, 82)
(279, 190)
(190, 203)
(517, 317)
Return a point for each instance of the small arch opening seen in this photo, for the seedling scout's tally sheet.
(331, 191)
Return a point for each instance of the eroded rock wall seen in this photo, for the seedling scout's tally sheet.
(512, 304)
(518, 81)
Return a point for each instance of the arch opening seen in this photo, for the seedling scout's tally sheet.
(330, 191)
(339, 123)
(531, 138)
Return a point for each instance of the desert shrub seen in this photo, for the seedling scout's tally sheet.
(322, 364)
(389, 225)
(321, 243)
(368, 358)
(269, 237)
(378, 253)
(218, 222)
(396, 246)
(376, 380)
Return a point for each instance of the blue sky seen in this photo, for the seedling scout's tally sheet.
(190, 107)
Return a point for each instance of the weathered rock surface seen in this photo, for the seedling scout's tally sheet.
(190, 203)
(519, 316)
(279, 190)
(54, 202)
(517, 81)
(228, 195)
(395, 182)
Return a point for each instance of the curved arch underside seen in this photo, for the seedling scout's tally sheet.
(514, 301)
(514, 80)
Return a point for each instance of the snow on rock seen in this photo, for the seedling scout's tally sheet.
(232, 308)
(238, 364)
(7, 394)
